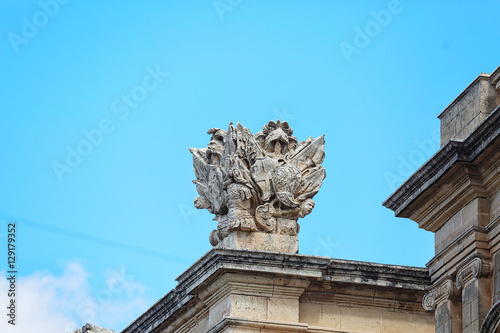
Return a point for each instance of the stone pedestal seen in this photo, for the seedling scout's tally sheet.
(260, 241)
(254, 298)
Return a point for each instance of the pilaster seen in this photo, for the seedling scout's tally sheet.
(472, 280)
(444, 298)
(253, 298)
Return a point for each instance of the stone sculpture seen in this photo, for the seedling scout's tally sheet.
(89, 328)
(260, 183)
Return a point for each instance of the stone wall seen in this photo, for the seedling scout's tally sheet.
(469, 109)
(347, 308)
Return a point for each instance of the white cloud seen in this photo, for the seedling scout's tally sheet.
(52, 304)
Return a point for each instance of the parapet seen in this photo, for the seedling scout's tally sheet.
(470, 108)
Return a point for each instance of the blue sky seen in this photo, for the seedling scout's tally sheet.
(102, 236)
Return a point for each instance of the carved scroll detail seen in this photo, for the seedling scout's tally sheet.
(439, 292)
(474, 267)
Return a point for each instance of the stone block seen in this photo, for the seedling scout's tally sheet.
(310, 313)
(286, 226)
(469, 293)
(475, 326)
(330, 316)
(283, 309)
(468, 110)
(397, 322)
(497, 276)
(360, 319)
(466, 315)
(448, 317)
(241, 330)
(260, 241)
(201, 325)
(219, 311)
(495, 206)
(442, 314)
(474, 311)
(249, 307)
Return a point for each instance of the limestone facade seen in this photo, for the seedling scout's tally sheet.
(231, 290)
(456, 195)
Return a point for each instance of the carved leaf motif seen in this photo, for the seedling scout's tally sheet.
(311, 183)
(247, 148)
(310, 153)
(200, 164)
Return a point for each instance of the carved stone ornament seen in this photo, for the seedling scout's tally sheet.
(89, 328)
(474, 267)
(439, 292)
(258, 183)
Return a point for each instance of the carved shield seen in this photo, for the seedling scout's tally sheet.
(286, 179)
(263, 218)
(262, 171)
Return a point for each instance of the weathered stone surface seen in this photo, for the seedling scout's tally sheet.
(260, 241)
(260, 183)
(496, 277)
(469, 109)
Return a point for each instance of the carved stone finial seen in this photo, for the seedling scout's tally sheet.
(89, 328)
(260, 183)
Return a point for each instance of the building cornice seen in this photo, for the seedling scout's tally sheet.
(450, 154)
(459, 240)
(495, 78)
